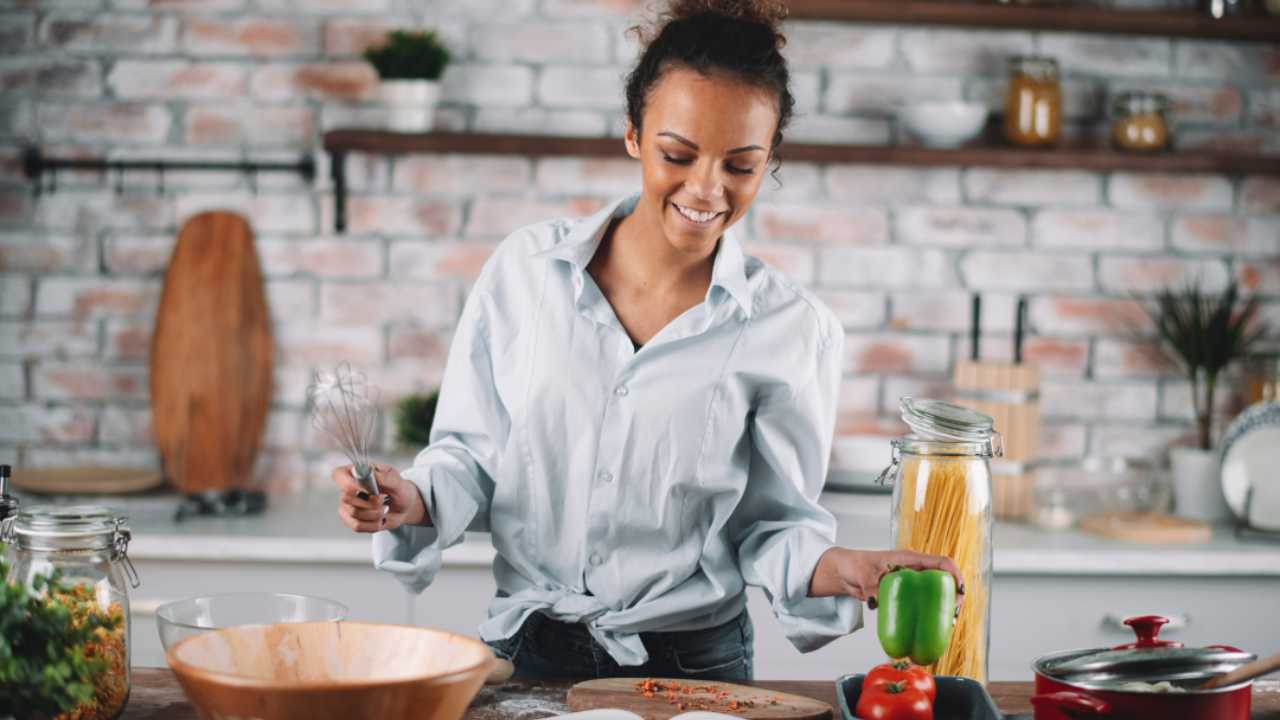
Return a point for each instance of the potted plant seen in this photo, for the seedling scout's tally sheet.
(410, 64)
(414, 414)
(1203, 333)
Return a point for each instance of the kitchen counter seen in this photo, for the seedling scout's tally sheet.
(305, 528)
(157, 696)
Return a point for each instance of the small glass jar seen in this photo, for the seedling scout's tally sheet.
(1138, 121)
(941, 504)
(87, 545)
(1262, 376)
(1226, 8)
(1033, 106)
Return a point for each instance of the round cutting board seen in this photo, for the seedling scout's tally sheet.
(211, 356)
(86, 479)
(1146, 527)
(753, 703)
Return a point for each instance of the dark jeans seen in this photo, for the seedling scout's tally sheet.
(546, 648)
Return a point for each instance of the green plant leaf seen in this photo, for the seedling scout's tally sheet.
(414, 416)
(1204, 333)
(43, 667)
(409, 55)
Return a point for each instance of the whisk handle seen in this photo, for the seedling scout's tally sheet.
(365, 476)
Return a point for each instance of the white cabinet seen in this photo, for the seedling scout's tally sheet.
(1037, 615)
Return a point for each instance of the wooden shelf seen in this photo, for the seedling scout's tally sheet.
(1059, 17)
(1079, 157)
(394, 143)
(989, 154)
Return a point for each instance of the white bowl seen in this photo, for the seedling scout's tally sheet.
(943, 123)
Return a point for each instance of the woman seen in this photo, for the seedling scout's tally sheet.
(640, 413)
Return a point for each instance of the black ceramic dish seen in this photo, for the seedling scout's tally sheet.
(959, 698)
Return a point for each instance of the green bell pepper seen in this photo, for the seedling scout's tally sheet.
(916, 614)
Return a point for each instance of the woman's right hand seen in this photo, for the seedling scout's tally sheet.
(399, 503)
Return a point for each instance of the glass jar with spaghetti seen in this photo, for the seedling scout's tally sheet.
(942, 506)
(1033, 106)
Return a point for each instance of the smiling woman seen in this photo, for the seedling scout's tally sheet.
(639, 412)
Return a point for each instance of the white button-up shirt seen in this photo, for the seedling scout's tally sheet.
(631, 490)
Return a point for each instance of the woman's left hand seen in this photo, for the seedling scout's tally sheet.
(844, 571)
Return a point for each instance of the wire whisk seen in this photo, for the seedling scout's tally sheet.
(344, 406)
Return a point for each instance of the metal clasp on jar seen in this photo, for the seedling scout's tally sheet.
(120, 544)
(892, 470)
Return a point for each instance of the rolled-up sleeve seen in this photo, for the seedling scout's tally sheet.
(779, 528)
(455, 471)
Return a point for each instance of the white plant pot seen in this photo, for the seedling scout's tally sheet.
(1197, 489)
(411, 104)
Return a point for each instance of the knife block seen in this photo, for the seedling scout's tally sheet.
(1010, 394)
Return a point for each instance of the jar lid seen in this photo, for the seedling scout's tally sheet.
(1039, 66)
(1139, 103)
(66, 527)
(935, 420)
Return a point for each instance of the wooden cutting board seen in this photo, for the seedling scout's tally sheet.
(1146, 527)
(211, 356)
(764, 704)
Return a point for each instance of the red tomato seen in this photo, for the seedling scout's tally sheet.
(893, 701)
(915, 676)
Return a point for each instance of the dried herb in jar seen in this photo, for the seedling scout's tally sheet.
(107, 645)
(56, 654)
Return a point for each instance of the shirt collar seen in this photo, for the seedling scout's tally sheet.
(579, 245)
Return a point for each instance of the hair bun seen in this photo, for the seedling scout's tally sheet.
(769, 13)
(765, 12)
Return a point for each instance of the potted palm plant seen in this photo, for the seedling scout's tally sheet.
(410, 64)
(1203, 333)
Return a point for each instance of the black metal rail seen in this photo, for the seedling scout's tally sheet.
(35, 165)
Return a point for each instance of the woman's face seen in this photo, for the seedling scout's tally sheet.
(704, 149)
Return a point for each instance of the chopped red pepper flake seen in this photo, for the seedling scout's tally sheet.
(700, 697)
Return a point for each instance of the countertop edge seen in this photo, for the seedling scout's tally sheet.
(477, 552)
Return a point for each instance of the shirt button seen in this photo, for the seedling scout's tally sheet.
(596, 559)
(606, 476)
(621, 391)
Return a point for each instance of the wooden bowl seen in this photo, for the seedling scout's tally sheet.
(330, 671)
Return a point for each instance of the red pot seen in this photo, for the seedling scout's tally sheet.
(1087, 683)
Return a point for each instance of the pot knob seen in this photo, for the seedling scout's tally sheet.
(1147, 627)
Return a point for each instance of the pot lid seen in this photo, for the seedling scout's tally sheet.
(1111, 668)
(1141, 663)
(1148, 660)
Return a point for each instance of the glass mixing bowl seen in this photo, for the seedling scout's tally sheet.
(184, 618)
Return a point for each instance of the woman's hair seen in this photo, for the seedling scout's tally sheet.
(739, 38)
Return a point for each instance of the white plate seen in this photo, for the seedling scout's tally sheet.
(620, 714)
(599, 714)
(1251, 460)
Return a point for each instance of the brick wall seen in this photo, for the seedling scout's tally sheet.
(894, 251)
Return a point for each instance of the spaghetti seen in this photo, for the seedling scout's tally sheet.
(943, 507)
